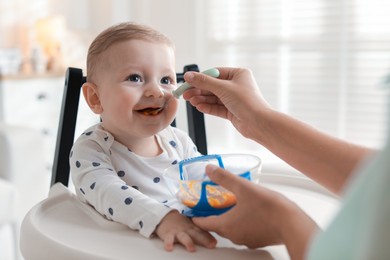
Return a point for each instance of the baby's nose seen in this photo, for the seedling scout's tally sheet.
(154, 90)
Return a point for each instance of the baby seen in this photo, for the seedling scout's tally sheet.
(117, 165)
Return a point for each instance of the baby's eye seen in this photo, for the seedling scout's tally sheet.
(166, 80)
(134, 78)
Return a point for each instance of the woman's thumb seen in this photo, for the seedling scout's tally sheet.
(200, 80)
(222, 177)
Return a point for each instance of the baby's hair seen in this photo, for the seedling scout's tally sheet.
(119, 33)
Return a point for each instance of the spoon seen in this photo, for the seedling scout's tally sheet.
(213, 72)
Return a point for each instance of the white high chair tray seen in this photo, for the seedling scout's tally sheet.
(61, 227)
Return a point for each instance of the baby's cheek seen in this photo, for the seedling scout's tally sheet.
(172, 106)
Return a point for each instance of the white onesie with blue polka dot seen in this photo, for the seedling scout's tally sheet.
(123, 186)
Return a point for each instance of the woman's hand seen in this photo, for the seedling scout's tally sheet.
(261, 217)
(234, 95)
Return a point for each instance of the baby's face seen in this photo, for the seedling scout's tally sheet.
(135, 88)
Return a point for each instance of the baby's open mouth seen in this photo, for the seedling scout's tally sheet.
(151, 111)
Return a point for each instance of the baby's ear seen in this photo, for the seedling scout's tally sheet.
(91, 95)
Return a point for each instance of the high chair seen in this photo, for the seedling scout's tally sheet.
(62, 227)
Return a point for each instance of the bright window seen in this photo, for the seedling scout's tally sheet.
(322, 61)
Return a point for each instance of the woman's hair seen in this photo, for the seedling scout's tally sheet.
(119, 33)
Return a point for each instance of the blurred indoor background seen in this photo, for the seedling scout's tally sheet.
(326, 62)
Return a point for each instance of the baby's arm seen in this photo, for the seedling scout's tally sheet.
(177, 228)
(98, 183)
(174, 227)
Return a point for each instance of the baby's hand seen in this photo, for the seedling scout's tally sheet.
(176, 228)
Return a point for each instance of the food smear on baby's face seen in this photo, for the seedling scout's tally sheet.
(151, 111)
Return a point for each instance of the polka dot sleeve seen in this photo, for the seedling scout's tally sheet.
(100, 185)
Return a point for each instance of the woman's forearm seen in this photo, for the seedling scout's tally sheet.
(235, 96)
(325, 159)
(297, 230)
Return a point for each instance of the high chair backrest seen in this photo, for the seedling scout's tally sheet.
(67, 125)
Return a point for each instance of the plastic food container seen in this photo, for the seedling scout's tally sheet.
(188, 181)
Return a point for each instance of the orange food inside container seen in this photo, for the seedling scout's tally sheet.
(218, 197)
